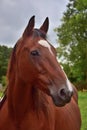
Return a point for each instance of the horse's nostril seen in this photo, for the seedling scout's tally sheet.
(62, 92)
(65, 94)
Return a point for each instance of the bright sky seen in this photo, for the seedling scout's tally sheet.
(15, 14)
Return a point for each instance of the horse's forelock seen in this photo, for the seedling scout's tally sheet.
(39, 33)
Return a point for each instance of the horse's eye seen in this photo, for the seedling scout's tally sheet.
(35, 53)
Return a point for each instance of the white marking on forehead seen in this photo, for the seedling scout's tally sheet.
(45, 44)
(67, 81)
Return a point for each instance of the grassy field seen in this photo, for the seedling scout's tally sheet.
(83, 109)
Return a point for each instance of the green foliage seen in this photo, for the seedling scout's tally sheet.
(4, 57)
(72, 39)
(83, 109)
(3, 81)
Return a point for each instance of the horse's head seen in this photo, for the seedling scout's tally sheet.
(37, 64)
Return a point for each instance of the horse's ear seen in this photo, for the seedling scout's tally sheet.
(29, 27)
(45, 25)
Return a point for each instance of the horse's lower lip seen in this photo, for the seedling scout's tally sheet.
(59, 102)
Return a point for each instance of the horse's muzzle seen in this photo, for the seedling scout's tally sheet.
(62, 96)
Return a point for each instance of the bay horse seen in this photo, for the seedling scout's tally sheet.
(39, 95)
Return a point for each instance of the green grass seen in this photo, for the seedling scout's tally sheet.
(83, 109)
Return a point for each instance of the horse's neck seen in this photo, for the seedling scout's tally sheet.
(19, 99)
(25, 98)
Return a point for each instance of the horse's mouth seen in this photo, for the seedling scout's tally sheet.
(59, 102)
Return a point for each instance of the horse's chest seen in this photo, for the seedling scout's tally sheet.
(38, 122)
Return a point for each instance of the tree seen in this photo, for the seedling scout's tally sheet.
(4, 57)
(72, 39)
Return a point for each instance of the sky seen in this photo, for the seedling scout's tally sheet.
(15, 14)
